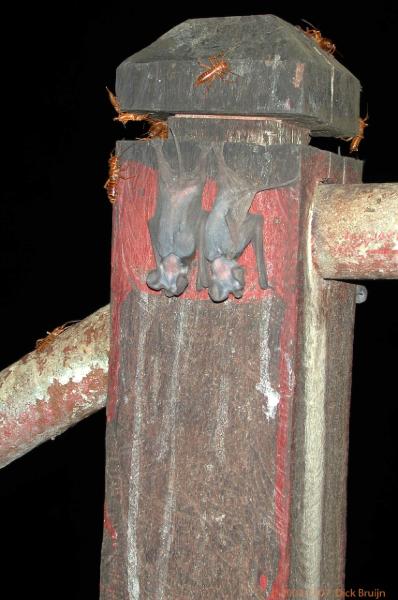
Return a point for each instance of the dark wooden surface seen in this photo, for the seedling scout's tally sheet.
(223, 419)
(276, 70)
(191, 482)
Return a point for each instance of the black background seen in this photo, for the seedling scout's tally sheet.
(55, 266)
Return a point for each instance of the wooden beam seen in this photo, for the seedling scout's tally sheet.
(355, 231)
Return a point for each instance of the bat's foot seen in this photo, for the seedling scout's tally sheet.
(170, 276)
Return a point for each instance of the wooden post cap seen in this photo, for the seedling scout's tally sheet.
(254, 65)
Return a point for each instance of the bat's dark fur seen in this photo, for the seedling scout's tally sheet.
(175, 227)
(228, 229)
(180, 227)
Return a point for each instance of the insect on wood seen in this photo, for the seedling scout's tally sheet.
(218, 68)
(111, 184)
(113, 178)
(356, 139)
(323, 42)
(157, 128)
(43, 343)
(125, 117)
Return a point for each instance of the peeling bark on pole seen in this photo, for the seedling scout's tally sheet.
(355, 231)
(48, 391)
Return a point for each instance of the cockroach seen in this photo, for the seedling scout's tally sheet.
(114, 169)
(113, 178)
(125, 117)
(217, 69)
(42, 343)
(324, 43)
(114, 101)
(356, 139)
(157, 128)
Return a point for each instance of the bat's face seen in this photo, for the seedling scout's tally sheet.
(170, 276)
(226, 277)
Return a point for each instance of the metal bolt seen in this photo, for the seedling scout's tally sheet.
(361, 294)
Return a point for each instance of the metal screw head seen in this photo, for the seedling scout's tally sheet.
(361, 294)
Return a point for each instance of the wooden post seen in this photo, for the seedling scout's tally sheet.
(227, 432)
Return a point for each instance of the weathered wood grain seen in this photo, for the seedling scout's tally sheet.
(276, 71)
(193, 491)
(320, 438)
(355, 231)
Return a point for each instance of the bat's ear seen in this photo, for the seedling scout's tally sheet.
(181, 284)
(153, 280)
(239, 275)
(238, 294)
(217, 292)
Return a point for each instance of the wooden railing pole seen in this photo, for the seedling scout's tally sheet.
(50, 390)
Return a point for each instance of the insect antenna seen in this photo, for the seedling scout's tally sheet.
(308, 23)
(232, 48)
(72, 322)
(226, 54)
(113, 100)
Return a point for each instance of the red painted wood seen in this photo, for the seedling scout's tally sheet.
(140, 186)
